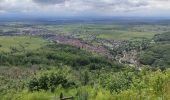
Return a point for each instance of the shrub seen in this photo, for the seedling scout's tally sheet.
(49, 82)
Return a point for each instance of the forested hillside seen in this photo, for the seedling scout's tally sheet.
(158, 54)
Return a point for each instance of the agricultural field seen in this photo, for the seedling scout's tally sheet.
(120, 35)
(111, 31)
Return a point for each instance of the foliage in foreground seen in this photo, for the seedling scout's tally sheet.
(144, 85)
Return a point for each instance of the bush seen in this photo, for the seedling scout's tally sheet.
(147, 58)
(49, 82)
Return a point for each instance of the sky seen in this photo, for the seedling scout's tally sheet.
(60, 8)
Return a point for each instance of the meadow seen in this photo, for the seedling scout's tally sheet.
(7, 43)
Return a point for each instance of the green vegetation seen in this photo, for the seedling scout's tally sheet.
(162, 37)
(103, 85)
(31, 68)
(21, 43)
(106, 30)
(158, 54)
(54, 55)
(125, 35)
(44, 82)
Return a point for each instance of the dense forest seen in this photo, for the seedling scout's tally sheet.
(157, 55)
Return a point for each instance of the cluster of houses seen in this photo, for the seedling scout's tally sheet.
(79, 44)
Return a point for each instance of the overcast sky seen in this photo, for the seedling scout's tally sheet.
(160, 8)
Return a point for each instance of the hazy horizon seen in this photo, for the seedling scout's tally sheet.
(11, 9)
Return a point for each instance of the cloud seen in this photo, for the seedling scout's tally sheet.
(117, 4)
(108, 7)
(93, 7)
(16, 6)
(49, 2)
(106, 3)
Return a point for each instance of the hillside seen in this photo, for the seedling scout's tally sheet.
(158, 54)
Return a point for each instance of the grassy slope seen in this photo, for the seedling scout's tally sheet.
(29, 43)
